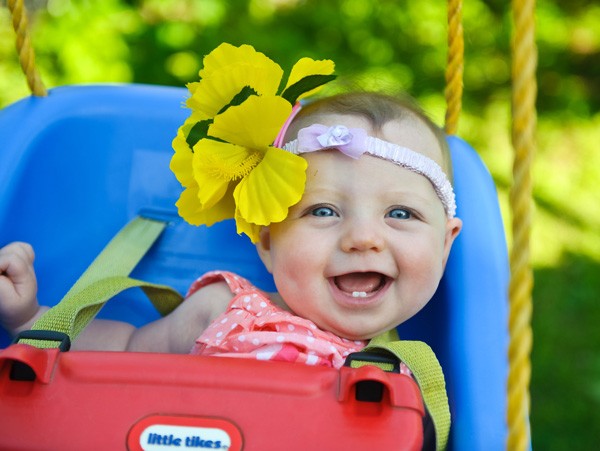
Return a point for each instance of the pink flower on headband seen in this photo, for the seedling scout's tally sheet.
(349, 141)
(354, 142)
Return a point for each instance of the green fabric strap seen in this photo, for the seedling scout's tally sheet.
(421, 360)
(106, 277)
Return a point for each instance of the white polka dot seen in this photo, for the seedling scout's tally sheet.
(310, 339)
(263, 304)
(312, 326)
(242, 338)
(357, 342)
(280, 338)
(267, 352)
(312, 360)
(233, 326)
(247, 299)
(259, 314)
(239, 312)
(291, 327)
(264, 355)
(256, 342)
(219, 334)
(224, 320)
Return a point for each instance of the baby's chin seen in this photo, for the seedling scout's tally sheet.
(355, 333)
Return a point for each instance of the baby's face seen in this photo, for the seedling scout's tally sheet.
(365, 248)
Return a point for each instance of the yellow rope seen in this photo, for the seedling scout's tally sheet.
(524, 90)
(24, 48)
(454, 66)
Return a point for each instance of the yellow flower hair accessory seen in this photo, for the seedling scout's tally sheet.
(224, 156)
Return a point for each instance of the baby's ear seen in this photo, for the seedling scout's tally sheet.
(263, 246)
(453, 228)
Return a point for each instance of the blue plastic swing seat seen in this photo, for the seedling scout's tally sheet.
(79, 164)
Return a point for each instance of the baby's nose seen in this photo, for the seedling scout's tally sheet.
(361, 236)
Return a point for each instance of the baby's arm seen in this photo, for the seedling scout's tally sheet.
(175, 333)
(19, 306)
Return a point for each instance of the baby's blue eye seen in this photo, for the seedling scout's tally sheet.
(399, 213)
(323, 212)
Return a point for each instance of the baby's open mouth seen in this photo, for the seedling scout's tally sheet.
(360, 284)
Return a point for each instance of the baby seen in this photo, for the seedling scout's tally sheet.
(361, 252)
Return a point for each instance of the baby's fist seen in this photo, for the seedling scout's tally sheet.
(18, 285)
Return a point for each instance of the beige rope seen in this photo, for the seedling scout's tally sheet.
(524, 92)
(454, 66)
(24, 48)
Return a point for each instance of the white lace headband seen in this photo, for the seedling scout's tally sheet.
(355, 141)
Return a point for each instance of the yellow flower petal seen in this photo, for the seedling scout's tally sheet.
(307, 66)
(181, 161)
(194, 103)
(216, 92)
(215, 165)
(192, 86)
(190, 209)
(253, 124)
(228, 70)
(251, 230)
(198, 110)
(277, 183)
(224, 160)
(226, 55)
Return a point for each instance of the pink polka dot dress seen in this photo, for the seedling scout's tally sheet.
(253, 327)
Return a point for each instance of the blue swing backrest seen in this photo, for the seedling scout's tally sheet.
(79, 164)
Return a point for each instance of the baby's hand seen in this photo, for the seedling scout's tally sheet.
(18, 286)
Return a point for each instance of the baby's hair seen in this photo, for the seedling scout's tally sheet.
(378, 109)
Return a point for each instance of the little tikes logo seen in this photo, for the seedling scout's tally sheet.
(173, 432)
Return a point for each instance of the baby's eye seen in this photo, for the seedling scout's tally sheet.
(323, 211)
(399, 213)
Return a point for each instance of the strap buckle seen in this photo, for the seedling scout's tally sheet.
(387, 362)
(45, 335)
(371, 390)
(21, 371)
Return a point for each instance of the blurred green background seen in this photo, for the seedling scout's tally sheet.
(396, 46)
